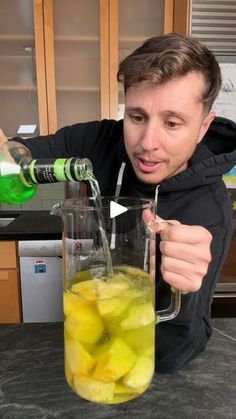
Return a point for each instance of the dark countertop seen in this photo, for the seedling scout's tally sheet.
(32, 383)
(31, 225)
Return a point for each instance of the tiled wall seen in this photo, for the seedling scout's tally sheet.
(44, 199)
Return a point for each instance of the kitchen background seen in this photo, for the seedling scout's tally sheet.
(58, 67)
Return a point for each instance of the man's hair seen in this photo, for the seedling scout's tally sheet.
(162, 58)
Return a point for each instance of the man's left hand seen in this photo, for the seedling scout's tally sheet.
(185, 252)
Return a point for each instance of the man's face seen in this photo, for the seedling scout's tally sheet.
(162, 126)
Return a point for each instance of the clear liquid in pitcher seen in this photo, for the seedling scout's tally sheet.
(109, 334)
(98, 204)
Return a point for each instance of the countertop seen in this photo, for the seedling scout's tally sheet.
(31, 225)
(32, 383)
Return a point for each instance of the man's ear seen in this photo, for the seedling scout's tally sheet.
(205, 125)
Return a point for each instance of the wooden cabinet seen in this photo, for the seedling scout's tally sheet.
(18, 89)
(227, 281)
(74, 60)
(59, 60)
(134, 26)
(224, 302)
(84, 43)
(10, 296)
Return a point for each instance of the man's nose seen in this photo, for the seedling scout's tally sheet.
(150, 138)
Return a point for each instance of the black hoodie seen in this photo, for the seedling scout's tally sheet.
(196, 196)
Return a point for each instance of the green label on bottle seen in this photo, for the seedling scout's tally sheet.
(31, 171)
(57, 170)
(47, 170)
(60, 172)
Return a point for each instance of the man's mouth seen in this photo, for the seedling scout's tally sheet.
(147, 165)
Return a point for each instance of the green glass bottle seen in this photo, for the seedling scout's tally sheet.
(20, 174)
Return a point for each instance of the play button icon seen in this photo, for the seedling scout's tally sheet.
(116, 209)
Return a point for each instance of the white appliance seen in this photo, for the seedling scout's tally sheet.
(41, 280)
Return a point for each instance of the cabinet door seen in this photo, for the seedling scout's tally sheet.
(84, 43)
(8, 257)
(10, 307)
(136, 22)
(10, 301)
(18, 86)
(73, 51)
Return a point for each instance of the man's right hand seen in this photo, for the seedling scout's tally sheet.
(3, 138)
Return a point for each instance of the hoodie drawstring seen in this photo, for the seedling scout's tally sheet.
(117, 193)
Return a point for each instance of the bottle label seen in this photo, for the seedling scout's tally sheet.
(47, 170)
(59, 170)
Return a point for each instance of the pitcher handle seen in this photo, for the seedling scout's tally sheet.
(173, 310)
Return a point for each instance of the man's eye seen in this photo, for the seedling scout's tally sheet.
(137, 118)
(172, 124)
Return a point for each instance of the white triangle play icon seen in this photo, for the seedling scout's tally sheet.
(116, 209)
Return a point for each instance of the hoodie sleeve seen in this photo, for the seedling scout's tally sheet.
(79, 140)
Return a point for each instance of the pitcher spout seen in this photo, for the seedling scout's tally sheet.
(57, 209)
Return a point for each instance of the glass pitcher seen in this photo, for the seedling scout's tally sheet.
(109, 288)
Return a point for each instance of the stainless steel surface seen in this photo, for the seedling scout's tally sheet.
(226, 287)
(41, 280)
(40, 248)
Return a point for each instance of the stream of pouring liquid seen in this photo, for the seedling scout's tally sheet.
(98, 204)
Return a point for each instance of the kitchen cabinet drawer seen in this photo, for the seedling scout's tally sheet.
(227, 280)
(8, 257)
(10, 307)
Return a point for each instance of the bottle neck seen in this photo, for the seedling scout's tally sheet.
(56, 170)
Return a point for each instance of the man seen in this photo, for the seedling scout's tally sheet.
(161, 150)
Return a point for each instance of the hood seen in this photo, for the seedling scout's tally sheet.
(213, 157)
